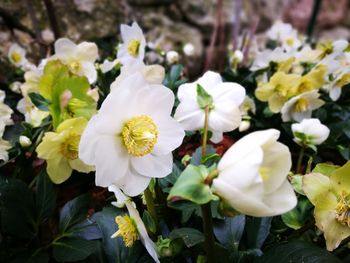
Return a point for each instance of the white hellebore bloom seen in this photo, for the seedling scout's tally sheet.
(131, 227)
(107, 65)
(5, 113)
(17, 55)
(189, 49)
(224, 113)
(133, 48)
(79, 58)
(300, 107)
(285, 35)
(253, 175)
(132, 137)
(172, 57)
(310, 132)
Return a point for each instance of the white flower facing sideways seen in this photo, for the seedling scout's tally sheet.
(224, 113)
(131, 227)
(5, 119)
(310, 132)
(132, 137)
(79, 58)
(300, 107)
(253, 175)
(133, 48)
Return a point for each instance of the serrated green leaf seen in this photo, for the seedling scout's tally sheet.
(73, 249)
(45, 196)
(39, 101)
(191, 186)
(190, 236)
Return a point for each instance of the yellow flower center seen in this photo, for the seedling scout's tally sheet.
(75, 66)
(133, 47)
(264, 173)
(16, 57)
(326, 49)
(290, 41)
(69, 148)
(343, 209)
(345, 79)
(126, 229)
(301, 105)
(140, 135)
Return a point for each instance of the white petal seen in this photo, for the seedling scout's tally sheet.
(225, 117)
(189, 115)
(335, 93)
(216, 136)
(133, 183)
(170, 136)
(87, 51)
(65, 49)
(89, 71)
(208, 80)
(187, 91)
(108, 65)
(153, 166)
(227, 91)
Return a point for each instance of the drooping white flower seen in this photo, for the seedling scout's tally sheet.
(5, 113)
(79, 58)
(310, 132)
(253, 175)
(17, 55)
(172, 57)
(153, 74)
(133, 48)
(132, 137)
(224, 115)
(107, 65)
(132, 227)
(300, 107)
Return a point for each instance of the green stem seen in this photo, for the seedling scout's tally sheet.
(206, 208)
(313, 19)
(300, 159)
(150, 205)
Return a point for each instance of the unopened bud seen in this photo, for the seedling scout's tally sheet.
(24, 141)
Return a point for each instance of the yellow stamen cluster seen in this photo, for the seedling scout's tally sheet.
(16, 57)
(301, 105)
(69, 148)
(75, 67)
(343, 209)
(126, 229)
(264, 173)
(139, 135)
(133, 47)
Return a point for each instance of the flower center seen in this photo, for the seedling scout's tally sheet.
(126, 229)
(345, 79)
(343, 209)
(264, 173)
(16, 57)
(301, 105)
(133, 47)
(75, 67)
(290, 41)
(140, 135)
(69, 148)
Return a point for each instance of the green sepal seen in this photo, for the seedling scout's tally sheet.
(191, 186)
(325, 169)
(204, 99)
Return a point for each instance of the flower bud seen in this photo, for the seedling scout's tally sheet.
(172, 57)
(24, 141)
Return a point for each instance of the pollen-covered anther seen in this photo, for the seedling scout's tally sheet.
(126, 229)
(343, 209)
(301, 105)
(140, 135)
(75, 67)
(69, 148)
(133, 47)
(16, 57)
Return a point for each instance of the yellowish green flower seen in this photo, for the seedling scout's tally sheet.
(278, 90)
(60, 150)
(313, 80)
(330, 194)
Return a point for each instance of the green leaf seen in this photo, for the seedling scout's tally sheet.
(190, 236)
(204, 99)
(191, 186)
(297, 251)
(256, 231)
(297, 183)
(172, 78)
(74, 212)
(45, 196)
(299, 215)
(229, 231)
(325, 169)
(149, 222)
(17, 207)
(73, 249)
(39, 101)
(197, 155)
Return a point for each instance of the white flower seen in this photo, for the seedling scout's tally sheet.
(17, 55)
(5, 113)
(24, 141)
(264, 58)
(107, 65)
(16, 87)
(285, 35)
(153, 74)
(133, 48)
(244, 126)
(300, 107)
(79, 58)
(247, 106)
(253, 175)
(31, 113)
(237, 57)
(189, 49)
(172, 57)
(132, 227)
(4, 146)
(310, 131)
(132, 137)
(224, 116)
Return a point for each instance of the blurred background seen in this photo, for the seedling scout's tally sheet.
(168, 24)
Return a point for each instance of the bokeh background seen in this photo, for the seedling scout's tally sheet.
(168, 24)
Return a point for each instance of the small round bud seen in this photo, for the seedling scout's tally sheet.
(172, 57)
(237, 57)
(188, 49)
(24, 141)
(16, 87)
(244, 126)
